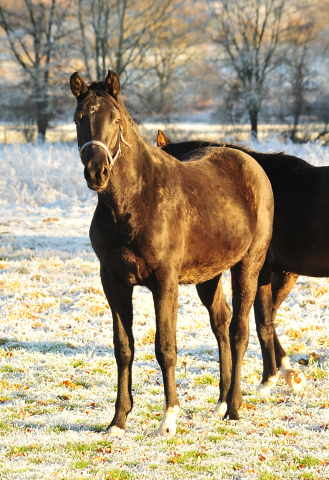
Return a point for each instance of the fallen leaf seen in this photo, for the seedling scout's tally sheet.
(70, 384)
(97, 459)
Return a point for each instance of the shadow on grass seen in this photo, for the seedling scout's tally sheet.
(63, 348)
(43, 245)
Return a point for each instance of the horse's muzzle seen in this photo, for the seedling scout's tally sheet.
(97, 178)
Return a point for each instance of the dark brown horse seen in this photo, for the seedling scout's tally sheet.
(152, 227)
(299, 245)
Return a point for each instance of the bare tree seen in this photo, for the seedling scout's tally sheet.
(34, 31)
(121, 34)
(112, 34)
(302, 32)
(173, 44)
(299, 68)
(94, 23)
(249, 33)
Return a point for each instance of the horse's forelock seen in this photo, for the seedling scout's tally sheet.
(97, 89)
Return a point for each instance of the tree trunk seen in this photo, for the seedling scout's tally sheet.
(42, 117)
(253, 115)
(297, 113)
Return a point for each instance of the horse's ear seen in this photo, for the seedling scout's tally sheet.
(77, 85)
(162, 139)
(112, 84)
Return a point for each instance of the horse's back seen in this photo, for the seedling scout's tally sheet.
(240, 168)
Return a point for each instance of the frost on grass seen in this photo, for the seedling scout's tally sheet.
(58, 373)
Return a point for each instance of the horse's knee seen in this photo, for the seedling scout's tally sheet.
(123, 356)
(166, 355)
(239, 334)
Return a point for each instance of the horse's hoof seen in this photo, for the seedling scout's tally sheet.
(115, 431)
(168, 424)
(295, 379)
(232, 416)
(265, 388)
(165, 431)
(292, 376)
(220, 409)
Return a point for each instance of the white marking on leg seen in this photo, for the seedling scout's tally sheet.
(265, 388)
(285, 366)
(220, 409)
(115, 431)
(168, 424)
(292, 376)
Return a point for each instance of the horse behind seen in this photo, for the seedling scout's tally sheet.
(160, 222)
(299, 244)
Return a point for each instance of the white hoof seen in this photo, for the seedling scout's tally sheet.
(220, 409)
(168, 424)
(292, 376)
(115, 431)
(295, 379)
(265, 388)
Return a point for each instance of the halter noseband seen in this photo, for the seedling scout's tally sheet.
(101, 144)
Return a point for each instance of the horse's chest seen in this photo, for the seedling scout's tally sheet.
(122, 260)
(129, 266)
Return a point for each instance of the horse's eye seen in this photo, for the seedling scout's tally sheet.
(118, 120)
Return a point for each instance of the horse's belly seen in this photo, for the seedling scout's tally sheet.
(209, 257)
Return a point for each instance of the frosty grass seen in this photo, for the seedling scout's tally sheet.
(58, 373)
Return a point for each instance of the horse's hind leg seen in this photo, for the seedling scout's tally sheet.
(119, 296)
(282, 283)
(244, 287)
(212, 297)
(265, 328)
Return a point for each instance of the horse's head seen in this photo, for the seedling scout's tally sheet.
(99, 122)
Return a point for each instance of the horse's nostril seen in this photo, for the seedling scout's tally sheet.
(87, 174)
(102, 173)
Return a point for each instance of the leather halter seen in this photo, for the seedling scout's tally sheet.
(102, 145)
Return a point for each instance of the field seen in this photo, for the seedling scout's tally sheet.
(57, 367)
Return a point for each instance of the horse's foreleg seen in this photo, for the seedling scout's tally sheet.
(282, 283)
(212, 297)
(165, 295)
(119, 296)
(265, 328)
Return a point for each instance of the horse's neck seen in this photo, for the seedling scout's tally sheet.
(125, 183)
